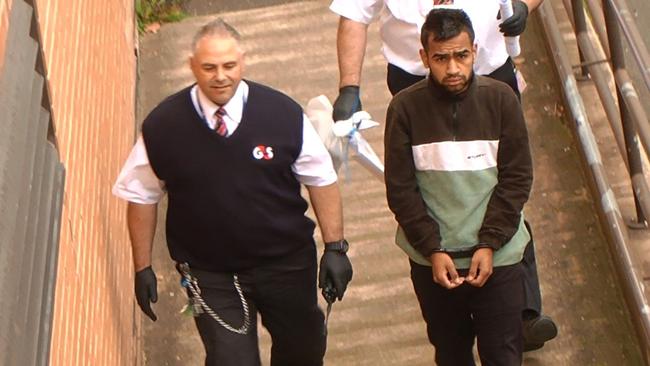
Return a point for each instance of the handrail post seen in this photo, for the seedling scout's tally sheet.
(633, 36)
(629, 129)
(580, 26)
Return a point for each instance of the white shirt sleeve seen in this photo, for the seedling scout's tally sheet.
(362, 11)
(313, 167)
(137, 182)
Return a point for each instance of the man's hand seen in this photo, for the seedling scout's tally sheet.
(516, 24)
(146, 290)
(346, 103)
(444, 271)
(335, 268)
(481, 267)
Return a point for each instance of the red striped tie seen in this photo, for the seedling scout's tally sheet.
(220, 125)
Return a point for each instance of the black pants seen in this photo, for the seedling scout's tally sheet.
(285, 296)
(491, 313)
(399, 79)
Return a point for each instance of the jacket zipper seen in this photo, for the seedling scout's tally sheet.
(454, 120)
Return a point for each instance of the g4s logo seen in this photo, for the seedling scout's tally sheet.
(263, 152)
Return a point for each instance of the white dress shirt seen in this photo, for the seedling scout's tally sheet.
(401, 21)
(138, 183)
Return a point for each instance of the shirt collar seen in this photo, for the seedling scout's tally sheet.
(235, 106)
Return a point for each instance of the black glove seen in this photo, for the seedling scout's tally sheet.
(516, 24)
(146, 290)
(335, 270)
(346, 103)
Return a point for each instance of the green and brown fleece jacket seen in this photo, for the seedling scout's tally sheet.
(458, 170)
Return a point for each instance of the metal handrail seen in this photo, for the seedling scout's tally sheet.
(638, 47)
(625, 113)
(614, 226)
(632, 114)
(597, 70)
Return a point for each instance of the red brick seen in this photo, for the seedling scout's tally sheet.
(5, 7)
(92, 79)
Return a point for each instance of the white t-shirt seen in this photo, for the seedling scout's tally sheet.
(401, 20)
(138, 183)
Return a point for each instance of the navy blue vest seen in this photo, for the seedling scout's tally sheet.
(234, 202)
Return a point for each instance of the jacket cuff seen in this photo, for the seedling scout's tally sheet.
(491, 240)
(428, 249)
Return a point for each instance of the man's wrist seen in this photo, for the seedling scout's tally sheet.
(141, 267)
(340, 246)
(484, 246)
(140, 272)
(350, 87)
(436, 251)
(457, 253)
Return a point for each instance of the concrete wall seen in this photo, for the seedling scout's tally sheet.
(89, 54)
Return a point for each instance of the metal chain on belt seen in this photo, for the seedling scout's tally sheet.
(192, 285)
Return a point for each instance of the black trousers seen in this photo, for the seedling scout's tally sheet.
(491, 313)
(398, 79)
(285, 296)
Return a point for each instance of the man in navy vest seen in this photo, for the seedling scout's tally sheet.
(232, 154)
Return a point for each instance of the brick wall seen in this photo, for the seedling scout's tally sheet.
(89, 54)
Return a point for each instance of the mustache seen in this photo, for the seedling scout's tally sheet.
(455, 76)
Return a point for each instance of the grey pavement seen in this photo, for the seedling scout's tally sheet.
(291, 46)
(208, 7)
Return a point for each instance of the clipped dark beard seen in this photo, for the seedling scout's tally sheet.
(468, 81)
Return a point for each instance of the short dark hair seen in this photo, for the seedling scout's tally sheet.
(444, 24)
(217, 27)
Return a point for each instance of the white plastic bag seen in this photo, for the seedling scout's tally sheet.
(339, 137)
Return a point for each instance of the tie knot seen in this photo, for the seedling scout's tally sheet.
(220, 112)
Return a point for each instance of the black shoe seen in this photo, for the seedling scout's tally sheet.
(532, 346)
(537, 331)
